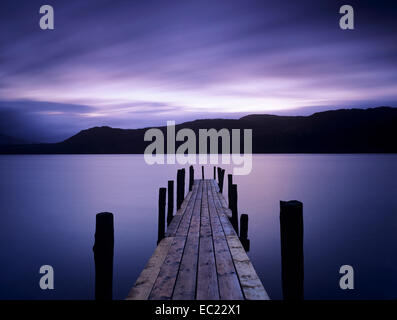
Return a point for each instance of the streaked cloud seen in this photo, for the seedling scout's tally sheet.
(138, 63)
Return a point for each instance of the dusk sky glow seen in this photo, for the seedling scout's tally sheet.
(139, 63)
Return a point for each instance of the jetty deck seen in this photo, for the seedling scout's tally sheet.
(201, 256)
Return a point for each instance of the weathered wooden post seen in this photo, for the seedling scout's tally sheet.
(179, 192)
(202, 172)
(183, 184)
(292, 263)
(220, 178)
(214, 173)
(170, 209)
(103, 256)
(233, 197)
(161, 222)
(244, 226)
(229, 188)
(244, 232)
(191, 177)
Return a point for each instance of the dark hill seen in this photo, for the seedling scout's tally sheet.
(340, 131)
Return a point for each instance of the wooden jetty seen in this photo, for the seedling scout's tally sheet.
(200, 256)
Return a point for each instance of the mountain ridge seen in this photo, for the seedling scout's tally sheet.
(372, 130)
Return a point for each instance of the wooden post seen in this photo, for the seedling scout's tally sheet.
(244, 232)
(103, 256)
(191, 177)
(292, 264)
(161, 222)
(183, 185)
(220, 177)
(170, 211)
(244, 226)
(214, 173)
(202, 172)
(179, 193)
(229, 188)
(233, 196)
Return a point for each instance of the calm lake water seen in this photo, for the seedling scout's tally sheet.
(48, 206)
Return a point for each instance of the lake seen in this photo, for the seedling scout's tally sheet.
(48, 205)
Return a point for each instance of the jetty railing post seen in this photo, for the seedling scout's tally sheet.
(229, 188)
(183, 185)
(161, 221)
(170, 208)
(191, 177)
(292, 263)
(233, 196)
(244, 232)
(103, 256)
(214, 173)
(244, 226)
(221, 175)
(179, 198)
(202, 172)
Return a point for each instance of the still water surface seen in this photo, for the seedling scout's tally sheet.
(48, 205)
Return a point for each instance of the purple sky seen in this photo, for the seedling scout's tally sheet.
(139, 63)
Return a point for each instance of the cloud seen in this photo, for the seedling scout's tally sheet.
(140, 62)
(42, 121)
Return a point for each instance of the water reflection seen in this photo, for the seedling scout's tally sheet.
(48, 206)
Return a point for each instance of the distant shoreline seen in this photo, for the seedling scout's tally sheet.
(343, 131)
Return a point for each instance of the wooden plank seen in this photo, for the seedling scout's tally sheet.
(187, 203)
(145, 281)
(249, 280)
(184, 204)
(185, 286)
(250, 283)
(215, 184)
(194, 227)
(229, 285)
(227, 226)
(225, 215)
(224, 219)
(205, 229)
(216, 226)
(164, 284)
(207, 280)
(222, 200)
(183, 228)
(171, 229)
